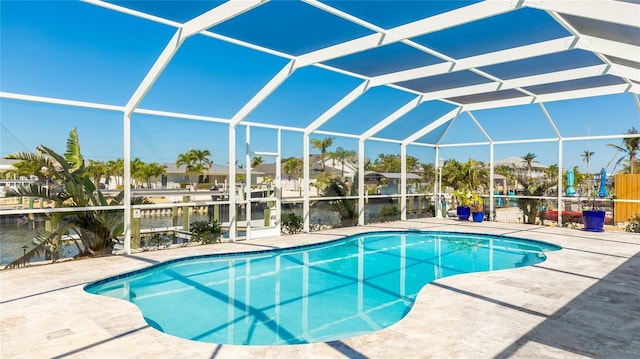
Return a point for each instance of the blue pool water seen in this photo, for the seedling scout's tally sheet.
(315, 293)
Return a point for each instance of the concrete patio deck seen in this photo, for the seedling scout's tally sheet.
(583, 301)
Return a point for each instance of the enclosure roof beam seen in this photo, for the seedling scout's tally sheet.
(417, 28)
(219, 14)
(492, 58)
(446, 130)
(262, 95)
(551, 122)
(337, 107)
(516, 83)
(617, 12)
(208, 19)
(473, 118)
(392, 118)
(432, 126)
(610, 48)
(556, 96)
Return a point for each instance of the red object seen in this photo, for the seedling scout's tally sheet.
(552, 215)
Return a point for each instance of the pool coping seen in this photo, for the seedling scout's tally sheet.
(554, 309)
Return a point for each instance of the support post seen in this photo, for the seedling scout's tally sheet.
(248, 182)
(127, 184)
(278, 183)
(361, 189)
(437, 184)
(559, 188)
(491, 174)
(232, 184)
(305, 183)
(403, 182)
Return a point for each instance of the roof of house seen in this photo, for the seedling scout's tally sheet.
(518, 162)
(390, 175)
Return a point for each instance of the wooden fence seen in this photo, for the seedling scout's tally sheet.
(626, 186)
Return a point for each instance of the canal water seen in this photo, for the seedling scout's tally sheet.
(17, 238)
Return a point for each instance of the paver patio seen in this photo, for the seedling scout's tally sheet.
(583, 301)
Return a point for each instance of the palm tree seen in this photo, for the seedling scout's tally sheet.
(116, 169)
(256, 161)
(96, 170)
(630, 146)
(508, 172)
(476, 174)
(196, 163)
(202, 163)
(97, 230)
(156, 170)
(27, 168)
(341, 155)
(386, 163)
(586, 156)
(293, 168)
(322, 145)
(551, 172)
(185, 159)
(528, 159)
(202, 157)
(139, 173)
(346, 208)
(429, 174)
(412, 163)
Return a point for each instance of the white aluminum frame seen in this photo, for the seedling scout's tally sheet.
(622, 13)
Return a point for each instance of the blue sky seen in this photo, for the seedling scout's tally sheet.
(77, 51)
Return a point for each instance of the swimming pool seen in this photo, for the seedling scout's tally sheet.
(315, 293)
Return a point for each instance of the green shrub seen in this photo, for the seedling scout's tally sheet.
(291, 223)
(155, 240)
(634, 225)
(389, 213)
(206, 232)
(429, 210)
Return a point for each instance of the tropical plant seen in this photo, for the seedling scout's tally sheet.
(291, 223)
(532, 188)
(322, 181)
(115, 168)
(389, 213)
(413, 164)
(508, 172)
(580, 180)
(206, 232)
(429, 174)
(96, 170)
(630, 147)
(346, 208)
(27, 169)
(528, 159)
(586, 157)
(155, 240)
(96, 230)
(292, 167)
(155, 171)
(142, 172)
(139, 173)
(342, 156)
(256, 161)
(322, 145)
(392, 164)
(196, 163)
(634, 225)
(471, 175)
(467, 198)
(551, 172)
